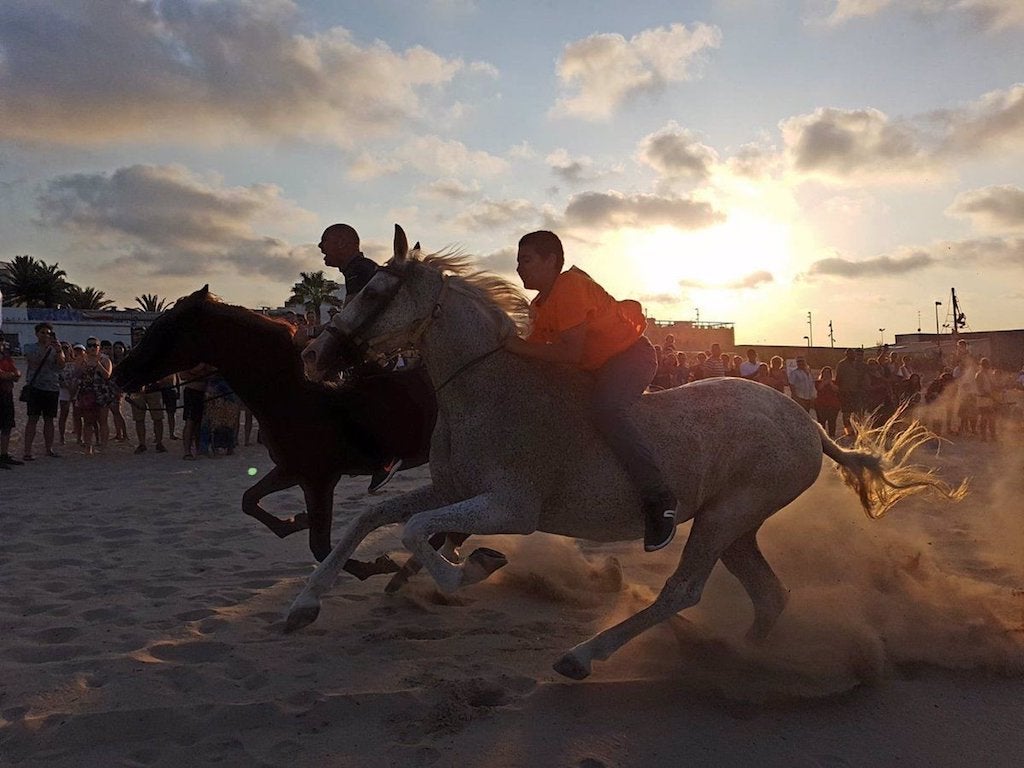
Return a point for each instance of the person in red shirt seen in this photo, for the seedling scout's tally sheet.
(576, 322)
(9, 374)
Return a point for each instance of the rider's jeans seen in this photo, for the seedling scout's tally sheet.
(618, 385)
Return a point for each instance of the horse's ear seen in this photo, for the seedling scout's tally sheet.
(401, 245)
(417, 246)
(205, 291)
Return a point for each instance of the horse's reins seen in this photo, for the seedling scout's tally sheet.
(179, 386)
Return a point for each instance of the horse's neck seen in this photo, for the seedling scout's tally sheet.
(459, 336)
(260, 365)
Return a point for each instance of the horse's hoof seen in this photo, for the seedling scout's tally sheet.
(301, 615)
(400, 579)
(571, 667)
(481, 564)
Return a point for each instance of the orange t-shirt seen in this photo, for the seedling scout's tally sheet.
(612, 326)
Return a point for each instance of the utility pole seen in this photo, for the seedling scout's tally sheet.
(831, 336)
(810, 331)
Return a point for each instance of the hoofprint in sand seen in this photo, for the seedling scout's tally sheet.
(141, 620)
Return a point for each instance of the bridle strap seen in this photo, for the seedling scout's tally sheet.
(419, 326)
(466, 366)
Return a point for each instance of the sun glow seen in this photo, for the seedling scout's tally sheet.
(741, 252)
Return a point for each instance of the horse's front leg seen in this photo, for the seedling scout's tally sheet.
(319, 497)
(306, 607)
(275, 480)
(484, 514)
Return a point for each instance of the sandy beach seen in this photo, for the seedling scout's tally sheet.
(141, 617)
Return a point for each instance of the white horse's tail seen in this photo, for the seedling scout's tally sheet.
(878, 467)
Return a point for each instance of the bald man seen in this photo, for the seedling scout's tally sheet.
(340, 246)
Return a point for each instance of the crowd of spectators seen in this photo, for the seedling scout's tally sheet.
(967, 397)
(68, 389)
(69, 392)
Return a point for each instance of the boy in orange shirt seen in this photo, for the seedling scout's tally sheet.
(576, 322)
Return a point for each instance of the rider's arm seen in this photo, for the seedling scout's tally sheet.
(567, 348)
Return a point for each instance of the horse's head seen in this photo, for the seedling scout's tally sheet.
(171, 344)
(382, 317)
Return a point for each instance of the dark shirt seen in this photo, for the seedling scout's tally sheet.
(357, 274)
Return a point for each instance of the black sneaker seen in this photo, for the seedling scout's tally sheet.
(8, 460)
(383, 475)
(659, 527)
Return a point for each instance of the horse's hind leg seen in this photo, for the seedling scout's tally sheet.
(275, 480)
(448, 544)
(744, 560)
(714, 530)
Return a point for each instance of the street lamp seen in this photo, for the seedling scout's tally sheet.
(881, 336)
(808, 340)
(937, 305)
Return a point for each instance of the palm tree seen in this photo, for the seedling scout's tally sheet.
(150, 302)
(314, 290)
(30, 282)
(85, 298)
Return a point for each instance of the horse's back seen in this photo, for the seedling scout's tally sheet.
(711, 437)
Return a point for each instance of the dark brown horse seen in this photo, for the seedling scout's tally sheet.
(314, 433)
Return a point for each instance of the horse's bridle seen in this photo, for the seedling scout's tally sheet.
(415, 328)
(419, 327)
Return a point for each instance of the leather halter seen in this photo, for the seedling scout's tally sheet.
(418, 327)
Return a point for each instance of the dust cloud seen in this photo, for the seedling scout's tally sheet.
(932, 585)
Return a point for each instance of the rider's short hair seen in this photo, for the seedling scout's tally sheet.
(545, 243)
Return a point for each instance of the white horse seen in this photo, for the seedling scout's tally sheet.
(513, 452)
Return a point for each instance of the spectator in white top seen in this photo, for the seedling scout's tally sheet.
(905, 370)
(801, 385)
(748, 368)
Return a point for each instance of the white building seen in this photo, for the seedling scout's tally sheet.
(74, 325)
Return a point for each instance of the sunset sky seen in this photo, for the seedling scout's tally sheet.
(753, 160)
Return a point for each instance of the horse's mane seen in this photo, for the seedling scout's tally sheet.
(257, 320)
(505, 299)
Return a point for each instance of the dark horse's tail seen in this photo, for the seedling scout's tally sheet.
(878, 466)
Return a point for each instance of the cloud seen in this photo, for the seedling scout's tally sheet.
(753, 280)
(429, 155)
(676, 154)
(660, 298)
(450, 189)
(988, 15)
(614, 209)
(842, 143)
(753, 161)
(985, 252)
(969, 254)
(502, 262)
(995, 122)
(865, 145)
(573, 170)
(496, 214)
(997, 208)
(880, 266)
(604, 70)
(166, 220)
(846, 10)
(83, 72)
